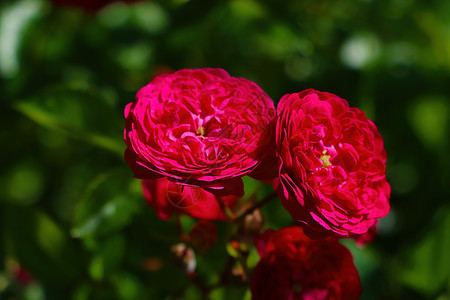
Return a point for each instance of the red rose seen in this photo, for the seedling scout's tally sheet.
(332, 171)
(166, 198)
(199, 127)
(90, 5)
(292, 266)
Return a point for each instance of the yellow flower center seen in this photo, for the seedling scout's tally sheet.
(325, 159)
(201, 132)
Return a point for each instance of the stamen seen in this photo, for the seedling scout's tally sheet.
(201, 132)
(325, 159)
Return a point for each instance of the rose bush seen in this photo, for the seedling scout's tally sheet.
(293, 266)
(167, 198)
(332, 165)
(200, 128)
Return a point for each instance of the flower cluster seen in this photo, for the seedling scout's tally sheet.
(193, 134)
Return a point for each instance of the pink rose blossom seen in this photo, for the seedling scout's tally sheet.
(332, 170)
(200, 128)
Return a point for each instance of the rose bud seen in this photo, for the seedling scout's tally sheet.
(203, 235)
(200, 128)
(167, 197)
(293, 266)
(332, 165)
(184, 257)
(253, 223)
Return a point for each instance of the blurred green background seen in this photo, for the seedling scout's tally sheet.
(73, 217)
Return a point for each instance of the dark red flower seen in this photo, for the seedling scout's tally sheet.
(167, 197)
(332, 171)
(293, 266)
(200, 128)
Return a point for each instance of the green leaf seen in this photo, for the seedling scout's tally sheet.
(78, 114)
(231, 250)
(23, 184)
(150, 16)
(365, 258)
(428, 264)
(253, 257)
(15, 20)
(128, 286)
(429, 118)
(231, 292)
(251, 186)
(115, 214)
(82, 292)
(109, 205)
(108, 257)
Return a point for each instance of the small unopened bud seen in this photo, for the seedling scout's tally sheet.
(253, 223)
(184, 257)
(203, 235)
